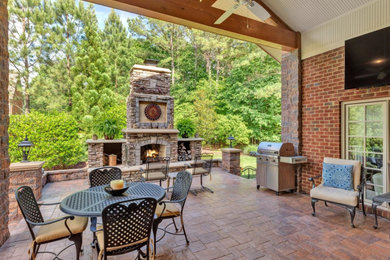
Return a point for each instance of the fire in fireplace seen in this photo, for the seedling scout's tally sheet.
(149, 151)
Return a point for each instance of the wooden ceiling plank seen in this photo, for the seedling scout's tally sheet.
(201, 15)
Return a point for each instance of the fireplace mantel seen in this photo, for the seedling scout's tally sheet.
(151, 131)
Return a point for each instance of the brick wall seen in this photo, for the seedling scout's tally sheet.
(4, 160)
(322, 94)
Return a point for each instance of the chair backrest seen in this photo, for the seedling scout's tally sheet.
(182, 186)
(104, 175)
(356, 171)
(205, 161)
(158, 163)
(28, 205)
(128, 222)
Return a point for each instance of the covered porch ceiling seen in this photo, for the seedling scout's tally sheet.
(274, 35)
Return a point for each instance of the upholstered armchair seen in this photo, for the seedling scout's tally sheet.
(337, 187)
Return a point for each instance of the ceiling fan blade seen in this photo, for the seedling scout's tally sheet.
(259, 11)
(227, 14)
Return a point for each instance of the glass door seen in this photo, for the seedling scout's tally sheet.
(366, 141)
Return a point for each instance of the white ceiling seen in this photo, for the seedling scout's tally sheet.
(302, 15)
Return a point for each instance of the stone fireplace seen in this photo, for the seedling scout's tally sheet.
(150, 131)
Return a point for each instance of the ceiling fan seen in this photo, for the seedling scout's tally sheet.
(251, 5)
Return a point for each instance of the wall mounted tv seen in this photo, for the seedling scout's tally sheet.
(367, 60)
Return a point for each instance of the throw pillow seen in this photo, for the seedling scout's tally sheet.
(337, 176)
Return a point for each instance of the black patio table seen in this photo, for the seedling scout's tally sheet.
(92, 201)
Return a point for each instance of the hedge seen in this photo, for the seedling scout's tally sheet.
(55, 138)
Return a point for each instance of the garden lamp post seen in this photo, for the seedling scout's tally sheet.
(231, 139)
(25, 147)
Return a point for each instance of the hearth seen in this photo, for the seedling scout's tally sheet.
(152, 151)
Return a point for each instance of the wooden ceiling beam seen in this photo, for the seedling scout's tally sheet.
(200, 15)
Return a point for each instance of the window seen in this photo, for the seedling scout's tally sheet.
(365, 139)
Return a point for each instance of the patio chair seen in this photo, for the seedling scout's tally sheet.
(102, 176)
(202, 167)
(343, 193)
(55, 229)
(170, 209)
(156, 169)
(127, 227)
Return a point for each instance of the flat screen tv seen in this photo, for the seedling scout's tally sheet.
(367, 60)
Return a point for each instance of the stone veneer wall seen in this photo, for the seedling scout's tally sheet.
(196, 148)
(95, 155)
(291, 101)
(231, 160)
(4, 159)
(133, 111)
(136, 140)
(149, 84)
(23, 174)
(322, 94)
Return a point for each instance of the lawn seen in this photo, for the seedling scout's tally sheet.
(245, 160)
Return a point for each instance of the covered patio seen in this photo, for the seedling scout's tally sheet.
(236, 222)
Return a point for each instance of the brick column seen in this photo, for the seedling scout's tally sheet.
(291, 100)
(4, 160)
(231, 160)
(23, 174)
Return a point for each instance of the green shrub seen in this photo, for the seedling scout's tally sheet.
(108, 128)
(115, 113)
(231, 125)
(55, 138)
(186, 127)
(250, 148)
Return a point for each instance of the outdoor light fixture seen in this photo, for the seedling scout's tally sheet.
(25, 147)
(231, 139)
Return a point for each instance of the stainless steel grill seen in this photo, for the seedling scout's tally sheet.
(271, 172)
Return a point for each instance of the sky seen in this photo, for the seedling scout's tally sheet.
(102, 13)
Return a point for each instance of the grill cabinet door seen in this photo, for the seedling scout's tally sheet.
(272, 174)
(261, 172)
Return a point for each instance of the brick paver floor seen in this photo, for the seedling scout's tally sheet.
(237, 222)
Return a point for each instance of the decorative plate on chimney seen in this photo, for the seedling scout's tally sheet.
(152, 112)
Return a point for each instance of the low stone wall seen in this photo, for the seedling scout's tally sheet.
(28, 174)
(66, 175)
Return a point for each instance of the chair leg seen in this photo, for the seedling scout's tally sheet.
(363, 208)
(313, 205)
(204, 188)
(352, 212)
(375, 215)
(78, 242)
(184, 230)
(174, 223)
(168, 182)
(326, 204)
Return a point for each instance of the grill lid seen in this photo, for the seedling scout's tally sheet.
(280, 149)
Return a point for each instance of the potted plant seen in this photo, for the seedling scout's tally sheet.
(108, 128)
(186, 128)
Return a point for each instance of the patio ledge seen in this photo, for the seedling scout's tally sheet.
(104, 141)
(230, 150)
(28, 166)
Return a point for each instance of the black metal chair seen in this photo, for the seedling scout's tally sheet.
(127, 227)
(51, 230)
(102, 176)
(156, 169)
(202, 167)
(170, 209)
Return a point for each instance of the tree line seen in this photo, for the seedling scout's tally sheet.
(61, 61)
